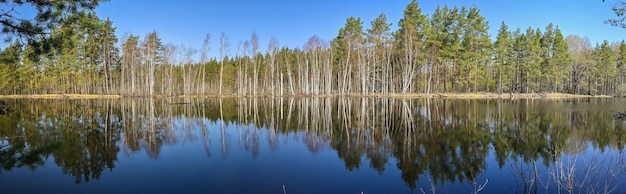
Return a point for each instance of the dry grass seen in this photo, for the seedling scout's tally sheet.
(62, 96)
(393, 95)
(491, 95)
(432, 95)
(523, 95)
(479, 95)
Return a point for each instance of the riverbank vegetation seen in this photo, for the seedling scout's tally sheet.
(449, 51)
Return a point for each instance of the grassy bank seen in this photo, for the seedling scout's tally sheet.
(62, 96)
(496, 95)
(424, 95)
(412, 95)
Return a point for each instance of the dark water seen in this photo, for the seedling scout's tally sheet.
(312, 145)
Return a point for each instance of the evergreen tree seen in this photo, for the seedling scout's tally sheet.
(605, 60)
(130, 65)
(27, 73)
(346, 47)
(503, 60)
(621, 58)
(108, 56)
(9, 61)
(443, 43)
(152, 51)
(450, 51)
(528, 48)
(410, 41)
(477, 48)
(621, 68)
(66, 65)
(620, 12)
(561, 59)
(50, 14)
(547, 69)
(378, 38)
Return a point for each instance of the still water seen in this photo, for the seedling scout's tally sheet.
(312, 145)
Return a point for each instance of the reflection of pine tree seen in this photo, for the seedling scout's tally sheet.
(88, 140)
(446, 140)
(80, 135)
(17, 153)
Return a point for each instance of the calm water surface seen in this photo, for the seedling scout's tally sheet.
(312, 145)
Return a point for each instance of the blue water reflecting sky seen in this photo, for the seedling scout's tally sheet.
(200, 155)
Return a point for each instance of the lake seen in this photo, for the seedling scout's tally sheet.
(312, 145)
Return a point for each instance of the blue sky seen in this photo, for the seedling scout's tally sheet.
(293, 22)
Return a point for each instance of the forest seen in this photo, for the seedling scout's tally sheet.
(449, 51)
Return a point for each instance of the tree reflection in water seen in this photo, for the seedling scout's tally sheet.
(432, 142)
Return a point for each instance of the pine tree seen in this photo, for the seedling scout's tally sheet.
(27, 72)
(547, 66)
(620, 11)
(378, 38)
(534, 61)
(605, 60)
(503, 60)
(152, 51)
(561, 58)
(443, 44)
(346, 46)
(9, 62)
(477, 47)
(49, 15)
(410, 41)
(621, 67)
(66, 65)
(108, 55)
(130, 65)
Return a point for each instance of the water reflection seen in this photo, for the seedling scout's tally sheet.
(545, 146)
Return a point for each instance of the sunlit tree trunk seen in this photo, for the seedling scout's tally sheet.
(203, 60)
(223, 48)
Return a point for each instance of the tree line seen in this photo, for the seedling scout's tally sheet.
(448, 51)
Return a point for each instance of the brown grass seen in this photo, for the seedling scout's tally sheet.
(424, 95)
(497, 96)
(62, 96)
(394, 95)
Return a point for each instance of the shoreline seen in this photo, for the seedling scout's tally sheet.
(60, 96)
(394, 95)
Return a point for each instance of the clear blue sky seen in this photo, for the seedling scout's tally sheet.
(293, 22)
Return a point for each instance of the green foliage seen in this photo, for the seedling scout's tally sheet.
(380, 30)
(607, 68)
(448, 51)
(444, 45)
(477, 49)
(561, 59)
(9, 62)
(620, 15)
(503, 56)
(19, 153)
(410, 36)
(50, 15)
(621, 57)
(348, 39)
